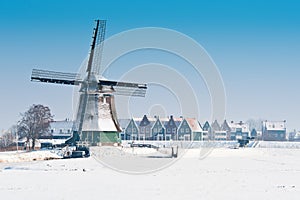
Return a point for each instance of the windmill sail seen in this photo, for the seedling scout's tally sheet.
(125, 88)
(55, 77)
(95, 57)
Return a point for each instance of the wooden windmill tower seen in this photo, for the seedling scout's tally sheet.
(96, 118)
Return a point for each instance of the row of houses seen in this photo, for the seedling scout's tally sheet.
(190, 129)
(171, 128)
(161, 129)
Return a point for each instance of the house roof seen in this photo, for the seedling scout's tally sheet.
(152, 121)
(274, 125)
(145, 121)
(194, 125)
(215, 126)
(225, 126)
(124, 123)
(65, 124)
(206, 126)
(239, 125)
(158, 120)
(177, 121)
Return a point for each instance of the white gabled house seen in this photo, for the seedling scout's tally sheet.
(61, 129)
(239, 130)
(274, 130)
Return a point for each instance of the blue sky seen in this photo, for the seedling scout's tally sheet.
(255, 44)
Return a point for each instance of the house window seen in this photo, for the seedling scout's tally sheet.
(133, 130)
(155, 130)
(147, 130)
(52, 130)
(187, 130)
(182, 130)
(168, 130)
(174, 130)
(60, 130)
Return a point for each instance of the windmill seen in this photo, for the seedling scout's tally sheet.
(96, 118)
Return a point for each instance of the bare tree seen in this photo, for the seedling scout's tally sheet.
(6, 139)
(34, 123)
(9, 137)
(255, 124)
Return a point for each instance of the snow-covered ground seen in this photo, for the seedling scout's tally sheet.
(244, 173)
(23, 156)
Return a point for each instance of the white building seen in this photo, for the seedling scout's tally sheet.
(274, 131)
(61, 129)
(239, 130)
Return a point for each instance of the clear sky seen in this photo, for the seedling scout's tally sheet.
(255, 44)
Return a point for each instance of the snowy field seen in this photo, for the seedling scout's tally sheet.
(244, 173)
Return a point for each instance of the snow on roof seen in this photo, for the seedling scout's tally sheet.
(52, 141)
(274, 125)
(239, 125)
(124, 123)
(194, 125)
(65, 124)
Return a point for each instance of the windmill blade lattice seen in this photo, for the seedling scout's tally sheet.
(96, 64)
